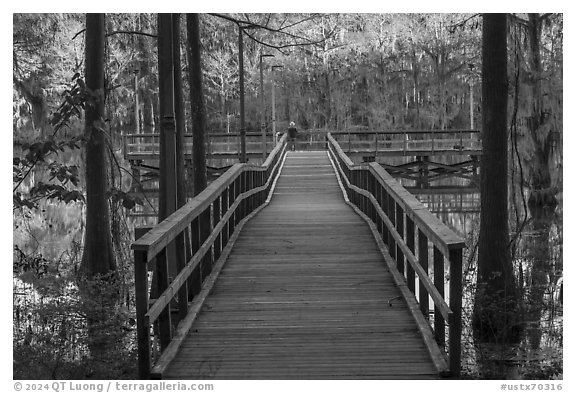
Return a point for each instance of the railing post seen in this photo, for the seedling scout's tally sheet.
(384, 205)
(225, 204)
(423, 260)
(349, 143)
(232, 195)
(251, 184)
(164, 319)
(400, 230)
(392, 217)
(215, 220)
(439, 327)
(410, 275)
(195, 280)
(205, 230)
(455, 328)
(141, 298)
(240, 188)
(361, 199)
(371, 183)
(368, 204)
(180, 264)
(405, 142)
(263, 180)
(378, 196)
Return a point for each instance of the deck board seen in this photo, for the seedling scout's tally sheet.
(304, 295)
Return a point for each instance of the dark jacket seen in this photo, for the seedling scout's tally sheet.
(292, 132)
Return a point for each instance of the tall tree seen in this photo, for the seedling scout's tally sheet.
(181, 185)
(167, 202)
(98, 258)
(494, 309)
(146, 71)
(198, 111)
(539, 122)
(179, 113)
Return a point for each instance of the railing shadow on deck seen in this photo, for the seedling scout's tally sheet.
(202, 231)
(410, 231)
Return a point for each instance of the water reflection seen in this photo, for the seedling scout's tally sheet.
(54, 226)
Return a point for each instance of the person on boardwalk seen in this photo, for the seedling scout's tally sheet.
(292, 133)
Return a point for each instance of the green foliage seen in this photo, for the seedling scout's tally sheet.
(128, 200)
(23, 263)
(74, 100)
(63, 330)
(40, 151)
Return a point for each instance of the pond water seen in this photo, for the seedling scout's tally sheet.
(55, 231)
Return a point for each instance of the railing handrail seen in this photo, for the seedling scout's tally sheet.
(188, 135)
(320, 132)
(392, 132)
(167, 230)
(445, 238)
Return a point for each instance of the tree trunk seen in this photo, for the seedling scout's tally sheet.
(287, 92)
(182, 240)
(416, 81)
(495, 308)
(197, 103)
(198, 115)
(145, 87)
(167, 197)
(98, 263)
(168, 184)
(541, 193)
(98, 258)
(180, 114)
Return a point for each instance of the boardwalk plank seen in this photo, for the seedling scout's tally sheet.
(305, 294)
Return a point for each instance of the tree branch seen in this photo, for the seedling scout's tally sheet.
(248, 24)
(119, 32)
(280, 47)
(77, 34)
(132, 33)
(454, 26)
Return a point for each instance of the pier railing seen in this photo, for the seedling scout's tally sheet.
(200, 231)
(410, 142)
(376, 143)
(416, 241)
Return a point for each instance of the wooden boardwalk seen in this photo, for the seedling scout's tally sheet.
(305, 294)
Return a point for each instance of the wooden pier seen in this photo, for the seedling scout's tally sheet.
(304, 294)
(319, 279)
